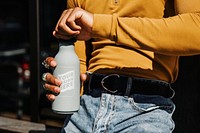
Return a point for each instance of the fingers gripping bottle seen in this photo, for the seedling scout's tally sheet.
(68, 71)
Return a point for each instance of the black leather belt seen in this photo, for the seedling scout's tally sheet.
(123, 85)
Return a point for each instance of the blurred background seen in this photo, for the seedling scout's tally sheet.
(26, 39)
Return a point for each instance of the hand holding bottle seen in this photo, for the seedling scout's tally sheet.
(52, 83)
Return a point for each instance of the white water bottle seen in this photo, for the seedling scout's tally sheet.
(68, 71)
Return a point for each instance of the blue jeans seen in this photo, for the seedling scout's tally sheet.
(109, 113)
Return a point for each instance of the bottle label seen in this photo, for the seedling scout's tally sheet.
(67, 81)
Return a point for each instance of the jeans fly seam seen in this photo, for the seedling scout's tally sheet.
(111, 114)
(101, 114)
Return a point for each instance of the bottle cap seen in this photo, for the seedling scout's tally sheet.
(67, 42)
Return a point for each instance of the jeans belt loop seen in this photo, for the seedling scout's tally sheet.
(89, 74)
(128, 87)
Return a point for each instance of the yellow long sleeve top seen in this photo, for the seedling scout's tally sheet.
(134, 38)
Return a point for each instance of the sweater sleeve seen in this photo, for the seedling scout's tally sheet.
(176, 36)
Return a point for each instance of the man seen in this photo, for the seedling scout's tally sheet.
(130, 53)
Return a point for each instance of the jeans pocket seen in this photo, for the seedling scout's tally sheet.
(146, 103)
(142, 107)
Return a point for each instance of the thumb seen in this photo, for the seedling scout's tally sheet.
(83, 77)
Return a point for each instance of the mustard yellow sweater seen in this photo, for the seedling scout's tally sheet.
(131, 37)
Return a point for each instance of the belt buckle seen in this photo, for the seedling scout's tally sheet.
(106, 77)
